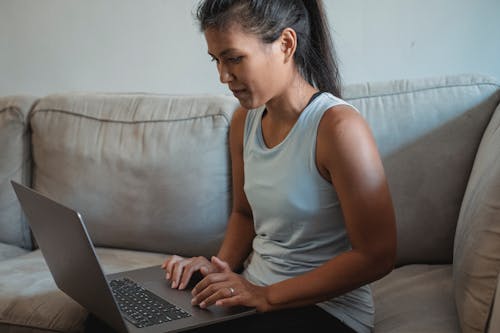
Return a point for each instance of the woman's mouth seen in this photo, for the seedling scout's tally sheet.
(238, 92)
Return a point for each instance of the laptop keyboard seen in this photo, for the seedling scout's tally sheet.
(141, 307)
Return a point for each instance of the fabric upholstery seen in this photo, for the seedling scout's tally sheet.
(151, 173)
(148, 172)
(10, 251)
(493, 325)
(15, 164)
(476, 260)
(428, 131)
(415, 298)
(30, 299)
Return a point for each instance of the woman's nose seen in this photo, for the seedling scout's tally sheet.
(224, 75)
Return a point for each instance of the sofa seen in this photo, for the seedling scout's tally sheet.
(150, 174)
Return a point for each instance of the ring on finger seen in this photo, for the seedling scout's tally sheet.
(231, 290)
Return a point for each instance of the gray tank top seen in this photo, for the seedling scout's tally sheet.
(297, 216)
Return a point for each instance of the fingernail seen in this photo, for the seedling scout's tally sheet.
(174, 284)
(203, 304)
(168, 276)
(181, 286)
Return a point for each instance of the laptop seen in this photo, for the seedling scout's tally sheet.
(139, 300)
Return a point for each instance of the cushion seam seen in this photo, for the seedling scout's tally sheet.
(71, 113)
(18, 112)
(497, 85)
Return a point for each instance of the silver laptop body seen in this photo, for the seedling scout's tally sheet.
(70, 255)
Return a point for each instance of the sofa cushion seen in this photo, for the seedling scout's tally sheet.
(15, 164)
(415, 298)
(476, 261)
(29, 298)
(10, 251)
(428, 132)
(148, 172)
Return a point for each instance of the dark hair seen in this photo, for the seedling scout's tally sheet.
(315, 55)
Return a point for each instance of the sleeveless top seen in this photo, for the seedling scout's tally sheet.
(297, 215)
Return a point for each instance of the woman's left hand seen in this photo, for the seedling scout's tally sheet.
(226, 288)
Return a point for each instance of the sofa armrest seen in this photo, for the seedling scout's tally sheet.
(494, 320)
(15, 164)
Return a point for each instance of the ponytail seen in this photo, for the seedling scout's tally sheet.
(314, 57)
(320, 64)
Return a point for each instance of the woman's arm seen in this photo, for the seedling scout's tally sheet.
(240, 232)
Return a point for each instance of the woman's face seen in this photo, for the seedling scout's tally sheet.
(253, 70)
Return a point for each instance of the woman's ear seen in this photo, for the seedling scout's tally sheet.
(288, 43)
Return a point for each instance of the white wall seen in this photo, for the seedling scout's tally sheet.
(51, 46)
(387, 39)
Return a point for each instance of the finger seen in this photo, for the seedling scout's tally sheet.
(178, 271)
(211, 295)
(164, 265)
(188, 274)
(214, 298)
(204, 266)
(196, 264)
(207, 269)
(166, 262)
(170, 265)
(208, 281)
(229, 301)
(222, 265)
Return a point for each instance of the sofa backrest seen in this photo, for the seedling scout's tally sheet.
(151, 172)
(15, 164)
(428, 132)
(147, 172)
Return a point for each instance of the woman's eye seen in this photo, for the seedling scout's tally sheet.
(235, 60)
(232, 60)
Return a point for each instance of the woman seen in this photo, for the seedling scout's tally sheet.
(312, 221)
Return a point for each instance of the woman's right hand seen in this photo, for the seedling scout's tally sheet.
(179, 270)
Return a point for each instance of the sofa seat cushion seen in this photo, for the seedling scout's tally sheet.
(10, 251)
(30, 299)
(416, 298)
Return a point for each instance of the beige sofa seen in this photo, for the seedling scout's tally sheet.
(150, 175)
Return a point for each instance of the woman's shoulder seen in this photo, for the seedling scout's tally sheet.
(331, 101)
(343, 122)
(339, 112)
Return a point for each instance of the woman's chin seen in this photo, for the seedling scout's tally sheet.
(247, 103)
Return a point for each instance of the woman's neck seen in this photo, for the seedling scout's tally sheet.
(283, 111)
(287, 106)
